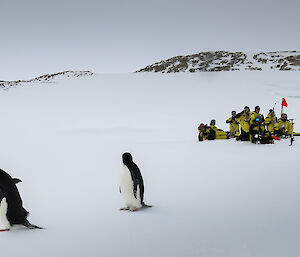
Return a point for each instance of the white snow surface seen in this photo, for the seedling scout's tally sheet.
(220, 198)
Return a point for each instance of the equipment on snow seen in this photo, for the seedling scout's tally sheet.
(276, 137)
(292, 136)
(265, 138)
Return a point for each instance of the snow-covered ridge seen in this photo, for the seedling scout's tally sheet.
(228, 61)
(48, 78)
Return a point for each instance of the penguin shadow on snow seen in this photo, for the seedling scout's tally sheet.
(12, 212)
(132, 185)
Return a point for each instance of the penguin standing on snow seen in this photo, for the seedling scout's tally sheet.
(11, 206)
(131, 184)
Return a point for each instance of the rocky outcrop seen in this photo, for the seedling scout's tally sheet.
(227, 61)
(48, 78)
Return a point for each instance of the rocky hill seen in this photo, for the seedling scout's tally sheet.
(228, 61)
(48, 78)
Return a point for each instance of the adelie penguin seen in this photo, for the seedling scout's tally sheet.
(11, 206)
(131, 185)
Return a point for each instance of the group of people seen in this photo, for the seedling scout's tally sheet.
(249, 126)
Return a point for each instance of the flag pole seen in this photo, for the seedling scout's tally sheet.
(292, 136)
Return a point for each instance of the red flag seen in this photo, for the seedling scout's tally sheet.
(284, 103)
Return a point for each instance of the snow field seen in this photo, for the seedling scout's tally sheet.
(220, 198)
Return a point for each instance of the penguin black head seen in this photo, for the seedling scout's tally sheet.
(127, 158)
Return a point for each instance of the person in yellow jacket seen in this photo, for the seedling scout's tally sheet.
(234, 127)
(244, 119)
(283, 127)
(218, 133)
(270, 121)
(211, 132)
(256, 114)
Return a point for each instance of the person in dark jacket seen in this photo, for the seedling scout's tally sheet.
(256, 130)
(205, 133)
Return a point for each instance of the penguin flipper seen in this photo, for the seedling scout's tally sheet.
(27, 224)
(16, 180)
(135, 184)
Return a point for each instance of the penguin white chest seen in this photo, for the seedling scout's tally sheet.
(126, 186)
(3, 211)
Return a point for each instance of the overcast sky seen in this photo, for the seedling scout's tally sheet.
(118, 36)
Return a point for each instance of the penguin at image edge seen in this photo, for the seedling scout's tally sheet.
(131, 185)
(11, 206)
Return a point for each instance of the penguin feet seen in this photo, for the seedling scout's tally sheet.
(2, 230)
(125, 209)
(129, 209)
(133, 209)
